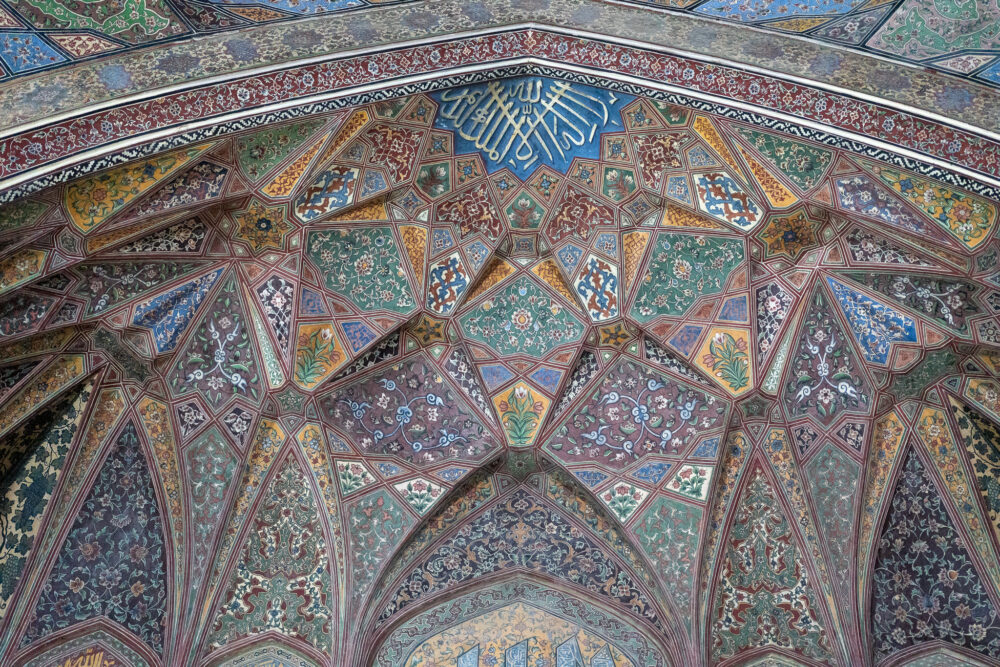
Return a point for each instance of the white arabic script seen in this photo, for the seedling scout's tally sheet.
(520, 120)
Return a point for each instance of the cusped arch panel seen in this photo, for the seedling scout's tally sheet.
(490, 529)
(113, 563)
(520, 618)
(926, 585)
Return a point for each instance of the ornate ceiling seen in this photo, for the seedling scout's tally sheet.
(518, 352)
(962, 39)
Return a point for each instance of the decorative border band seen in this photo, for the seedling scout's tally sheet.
(29, 161)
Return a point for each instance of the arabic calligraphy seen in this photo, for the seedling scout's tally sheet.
(524, 122)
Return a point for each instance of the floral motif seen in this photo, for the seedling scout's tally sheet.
(859, 194)
(21, 312)
(434, 180)
(833, 477)
(364, 266)
(522, 318)
(925, 585)
(656, 154)
(773, 305)
(410, 410)
(876, 327)
(624, 499)
(968, 218)
(869, 248)
(259, 152)
(419, 493)
(318, 354)
(521, 531)
(353, 476)
(109, 284)
(668, 532)
(275, 296)
(261, 226)
(91, 201)
(632, 412)
(948, 301)
(460, 369)
(521, 411)
(211, 467)
(985, 394)
(577, 215)
(167, 315)
(377, 524)
(473, 211)
(765, 597)
(200, 183)
(726, 356)
(548, 621)
(282, 580)
(915, 381)
(825, 379)
(113, 561)
(524, 213)
(982, 443)
(217, 360)
(946, 455)
(31, 467)
(20, 267)
(803, 164)
(790, 235)
(618, 184)
(684, 267)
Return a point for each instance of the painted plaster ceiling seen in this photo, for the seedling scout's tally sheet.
(523, 370)
(960, 38)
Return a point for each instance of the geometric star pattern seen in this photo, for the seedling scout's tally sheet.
(422, 361)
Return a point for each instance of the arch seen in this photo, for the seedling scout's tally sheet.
(536, 519)
(531, 592)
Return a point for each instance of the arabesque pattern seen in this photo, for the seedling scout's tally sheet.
(518, 370)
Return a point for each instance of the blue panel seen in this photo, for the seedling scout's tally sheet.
(547, 378)
(652, 473)
(991, 73)
(590, 477)
(525, 122)
(603, 658)
(470, 658)
(569, 257)
(734, 310)
(707, 449)
(568, 654)
(441, 239)
(300, 6)
(495, 375)
(516, 655)
(358, 334)
(875, 326)
(168, 315)
(25, 51)
(759, 10)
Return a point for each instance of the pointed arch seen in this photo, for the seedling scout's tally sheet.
(33, 463)
(268, 445)
(522, 607)
(766, 597)
(95, 637)
(925, 584)
(113, 562)
(519, 530)
(934, 432)
(281, 578)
